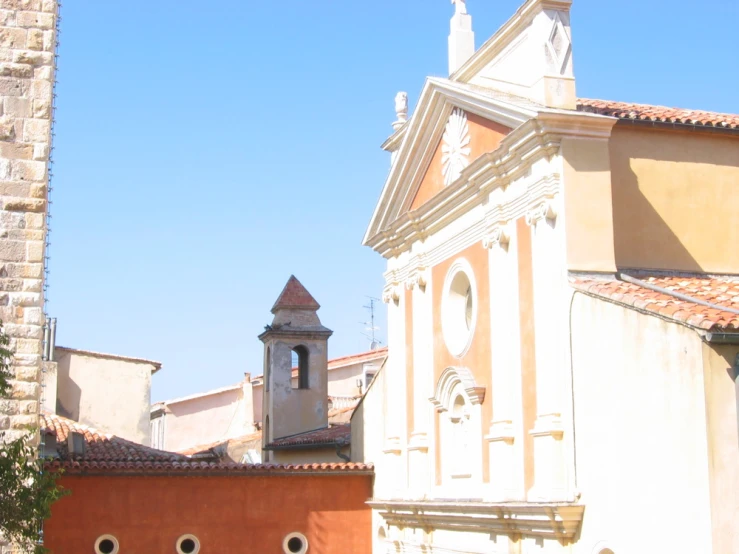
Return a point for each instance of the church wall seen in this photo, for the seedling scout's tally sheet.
(485, 136)
(673, 192)
(226, 513)
(721, 375)
(640, 431)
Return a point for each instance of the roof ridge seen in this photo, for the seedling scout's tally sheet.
(295, 296)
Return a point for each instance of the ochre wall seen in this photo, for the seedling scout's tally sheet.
(477, 358)
(228, 514)
(485, 136)
(675, 199)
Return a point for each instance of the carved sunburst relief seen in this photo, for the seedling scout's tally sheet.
(455, 146)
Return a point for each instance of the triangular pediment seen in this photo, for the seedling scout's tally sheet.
(453, 125)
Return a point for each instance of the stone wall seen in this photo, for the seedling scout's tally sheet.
(27, 67)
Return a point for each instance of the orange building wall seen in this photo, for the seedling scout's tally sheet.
(228, 514)
(485, 136)
(478, 358)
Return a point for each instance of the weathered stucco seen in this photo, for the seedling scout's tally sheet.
(656, 433)
(110, 393)
(675, 193)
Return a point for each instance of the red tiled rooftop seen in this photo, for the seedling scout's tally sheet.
(295, 296)
(102, 447)
(105, 453)
(659, 114)
(720, 291)
(332, 435)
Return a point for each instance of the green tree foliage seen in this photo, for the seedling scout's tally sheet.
(26, 490)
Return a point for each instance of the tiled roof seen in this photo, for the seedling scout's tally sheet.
(110, 454)
(206, 467)
(293, 296)
(102, 447)
(720, 291)
(660, 114)
(334, 435)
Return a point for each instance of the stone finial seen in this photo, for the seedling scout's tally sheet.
(460, 6)
(401, 110)
(461, 37)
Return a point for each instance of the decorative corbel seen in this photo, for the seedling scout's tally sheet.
(390, 293)
(544, 211)
(416, 278)
(498, 236)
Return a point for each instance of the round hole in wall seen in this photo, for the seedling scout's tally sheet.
(295, 543)
(188, 544)
(106, 544)
(459, 308)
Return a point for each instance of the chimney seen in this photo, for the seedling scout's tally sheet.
(461, 37)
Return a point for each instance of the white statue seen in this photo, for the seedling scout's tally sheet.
(461, 6)
(401, 106)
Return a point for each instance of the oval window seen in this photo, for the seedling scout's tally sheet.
(188, 544)
(295, 543)
(106, 544)
(459, 308)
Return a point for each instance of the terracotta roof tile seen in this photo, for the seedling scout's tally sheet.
(295, 296)
(101, 447)
(659, 114)
(330, 436)
(110, 454)
(720, 291)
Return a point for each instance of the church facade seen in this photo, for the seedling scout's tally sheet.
(563, 313)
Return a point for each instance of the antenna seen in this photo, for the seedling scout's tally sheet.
(370, 334)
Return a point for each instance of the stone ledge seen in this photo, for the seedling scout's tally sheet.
(556, 520)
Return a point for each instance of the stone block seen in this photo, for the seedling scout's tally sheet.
(49, 40)
(24, 391)
(25, 205)
(15, 151)
(5, 167)
(32, 285)
(7, 129)
(31, 57)
(41, 89)
(24, 421)
(24, 299)
(35, 39)
(30, 170)
(24, 331)
(12, 37)
(4, 423)
(7, 18)
(9, 407)
(43, 73)
(41, 152)
(12, 251)
(21, 4)
(28, 374)
(13, 188)
(28, 407)
(38, 190)
(34, 221)
(20, 71)
(34, 316)
(11, 285)
(36, 130)
(49, 6)
(35, 20)
(24, 234)
(42, 108)
(35, 251)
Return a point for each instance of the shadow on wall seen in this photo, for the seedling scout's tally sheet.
(673, 194)
(208, 402)
(68, 394)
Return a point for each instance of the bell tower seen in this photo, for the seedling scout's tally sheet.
(295, 401)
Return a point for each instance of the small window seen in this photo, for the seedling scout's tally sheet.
(106, 544)
(300, 360)
(188, 544)
(368, 378)
(295, 543)
(267, 369)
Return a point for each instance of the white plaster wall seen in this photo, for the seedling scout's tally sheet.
(110, 394)
(209, 418)
(640, 415)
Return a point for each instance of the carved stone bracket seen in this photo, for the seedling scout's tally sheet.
(416, 278)
(544, 211)
(501, 431)
(390, 293)
(498, 236)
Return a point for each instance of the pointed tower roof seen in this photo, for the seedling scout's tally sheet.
(295, 297)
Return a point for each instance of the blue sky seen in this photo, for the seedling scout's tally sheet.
(203, 153)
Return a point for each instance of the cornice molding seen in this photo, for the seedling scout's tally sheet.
(559, 521)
